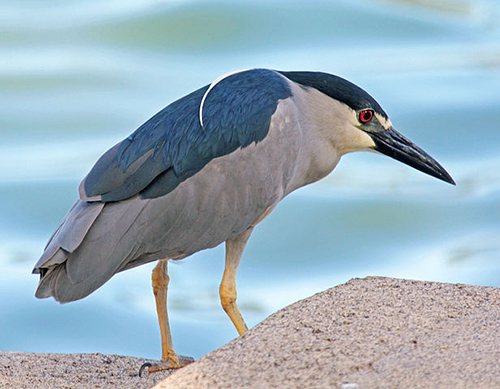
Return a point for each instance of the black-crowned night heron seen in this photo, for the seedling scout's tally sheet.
(206, 170)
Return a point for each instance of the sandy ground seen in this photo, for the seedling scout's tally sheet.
(20, 370)
(367, 333)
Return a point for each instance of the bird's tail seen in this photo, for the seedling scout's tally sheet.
(95, 241)
(66, 239)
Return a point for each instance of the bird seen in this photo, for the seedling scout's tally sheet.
(206, 170)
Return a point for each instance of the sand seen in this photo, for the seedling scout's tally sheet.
(368, 333)
(19, 370)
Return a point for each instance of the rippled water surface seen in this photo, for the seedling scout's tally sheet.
(77, 77)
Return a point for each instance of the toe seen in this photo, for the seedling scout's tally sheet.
(175, 362)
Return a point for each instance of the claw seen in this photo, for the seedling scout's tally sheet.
(144, 366)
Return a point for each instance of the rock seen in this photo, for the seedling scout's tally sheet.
(367, 333)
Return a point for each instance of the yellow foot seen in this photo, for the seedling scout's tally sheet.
(175, 362)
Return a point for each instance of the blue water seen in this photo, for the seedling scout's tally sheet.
(77, 77)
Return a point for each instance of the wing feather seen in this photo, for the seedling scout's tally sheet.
(173, 145)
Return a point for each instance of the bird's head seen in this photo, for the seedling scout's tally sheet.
(389, 142)
(369, 127)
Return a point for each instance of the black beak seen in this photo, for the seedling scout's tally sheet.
(393, 144)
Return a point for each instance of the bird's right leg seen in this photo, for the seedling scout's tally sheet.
(169, 358)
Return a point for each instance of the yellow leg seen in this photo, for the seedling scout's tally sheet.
(170, 359)
(227, 290)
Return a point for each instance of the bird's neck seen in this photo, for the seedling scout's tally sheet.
(322, 137)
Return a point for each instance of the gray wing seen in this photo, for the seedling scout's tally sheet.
(154, 205)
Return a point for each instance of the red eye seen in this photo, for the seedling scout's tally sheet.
(365, 116)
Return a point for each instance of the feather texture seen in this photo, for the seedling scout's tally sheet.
(172, 145)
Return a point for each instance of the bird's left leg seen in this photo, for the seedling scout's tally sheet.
(169, 358)
(227, 290)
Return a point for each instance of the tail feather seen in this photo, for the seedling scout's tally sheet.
(56, 283)
(48, 278)
(66, 239)
(94, 241)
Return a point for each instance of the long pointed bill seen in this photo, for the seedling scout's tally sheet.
(393, 144)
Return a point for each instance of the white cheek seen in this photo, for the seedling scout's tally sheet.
(357, 141)
(365, 141)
